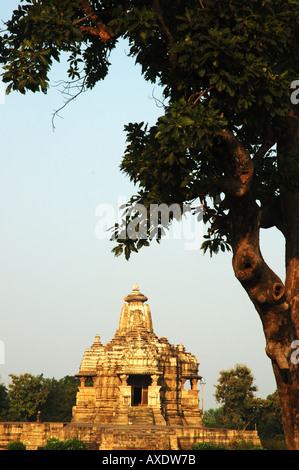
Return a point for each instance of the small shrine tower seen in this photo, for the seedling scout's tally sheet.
(137, 378)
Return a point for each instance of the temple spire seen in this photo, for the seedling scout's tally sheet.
(135, 313)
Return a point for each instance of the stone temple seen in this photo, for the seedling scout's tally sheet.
(132, 395)
(137, 378)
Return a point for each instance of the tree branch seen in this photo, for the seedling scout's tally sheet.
(98, 28)
(271, 214)
(237, 164)
(78, 84)
(165, 33)
(270, 139)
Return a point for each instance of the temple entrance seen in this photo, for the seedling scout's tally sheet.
(139, 384)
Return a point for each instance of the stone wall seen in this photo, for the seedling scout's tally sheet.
(187, 437)
(101, 437)
(33, 435)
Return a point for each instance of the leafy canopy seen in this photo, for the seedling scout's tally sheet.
(222, 65)
(235, 391)
(27, 394)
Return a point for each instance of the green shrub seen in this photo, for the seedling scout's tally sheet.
(74, 444)
(54, 444)
(70, 444)
(16, 445)
(208, 446)
(238, 444)
(275, 443)
(243, 444)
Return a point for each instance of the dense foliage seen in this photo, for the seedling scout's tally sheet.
(267, 422)
(28, 395)
(16, 445)
(208, 446)
(222, 66)
(70, 444)
(238, 444)
(235, 391)
(60, 400)
(241, 409)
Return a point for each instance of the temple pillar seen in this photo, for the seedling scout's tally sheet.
(190, 404)
(84, 409)
(125, 391)
(193, 384)
(82, 381)
(124, 401)
(154, 401)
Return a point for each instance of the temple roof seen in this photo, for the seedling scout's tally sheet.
(135, 348)
(135, 295)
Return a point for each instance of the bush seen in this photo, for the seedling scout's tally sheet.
(208, 446)
(16, 445)
(275, 443)
(54, 444)
(238, 444)
(70, 444)
(75, 444)
(243, 444)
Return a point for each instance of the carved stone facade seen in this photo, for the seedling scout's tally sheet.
(137, 378)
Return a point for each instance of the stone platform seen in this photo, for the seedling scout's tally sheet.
(119, 437)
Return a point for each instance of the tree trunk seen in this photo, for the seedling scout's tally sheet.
(268, 295)
(288, 153)
(276, 303)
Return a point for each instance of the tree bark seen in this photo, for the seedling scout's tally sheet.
(276, 303)
(288, 151)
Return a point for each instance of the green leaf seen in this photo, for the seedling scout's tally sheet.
(186, 121)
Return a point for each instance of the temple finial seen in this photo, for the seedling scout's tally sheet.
(135, 295)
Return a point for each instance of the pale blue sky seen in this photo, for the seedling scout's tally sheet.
(60, 285)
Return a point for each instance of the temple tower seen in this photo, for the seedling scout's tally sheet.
(137, 378)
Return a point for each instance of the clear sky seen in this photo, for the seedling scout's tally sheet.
(60, 285)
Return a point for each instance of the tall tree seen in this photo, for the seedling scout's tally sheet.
(235, 391)
(27, 393)
(228, 137)
(60, 400)
(270, 422)
(4, 401)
